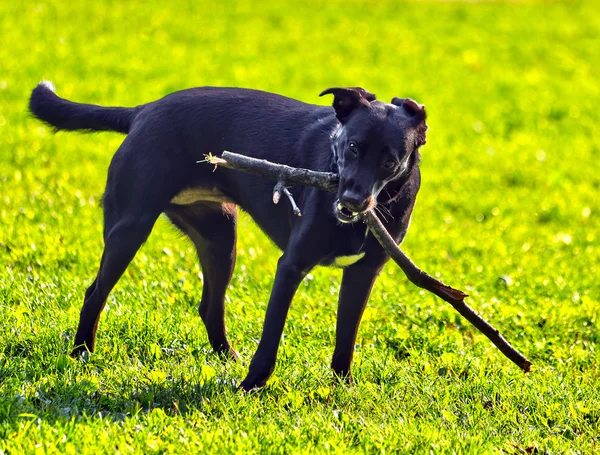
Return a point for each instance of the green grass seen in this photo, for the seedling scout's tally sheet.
(509, 210)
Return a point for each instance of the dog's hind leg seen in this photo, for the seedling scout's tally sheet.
(122, 242)
(211, 227)
(136, 193)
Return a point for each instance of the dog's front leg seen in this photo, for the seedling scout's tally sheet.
(357, 282)
(287, 279)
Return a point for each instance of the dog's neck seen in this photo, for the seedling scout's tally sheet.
(392, 191)
(335, 153)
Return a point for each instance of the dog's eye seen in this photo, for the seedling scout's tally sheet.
(389, 164)
(353, 146)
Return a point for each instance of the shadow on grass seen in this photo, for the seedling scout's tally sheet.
(59, 395)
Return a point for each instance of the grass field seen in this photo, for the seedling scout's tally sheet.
(509, 210)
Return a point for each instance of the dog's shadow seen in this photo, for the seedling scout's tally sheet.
(68, 396)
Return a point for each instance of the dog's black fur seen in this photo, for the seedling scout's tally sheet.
(374, 146)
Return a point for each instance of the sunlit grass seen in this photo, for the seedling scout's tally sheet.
(509, 211)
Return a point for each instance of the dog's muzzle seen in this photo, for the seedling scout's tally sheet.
(344, 214)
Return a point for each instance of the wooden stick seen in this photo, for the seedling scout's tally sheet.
(328, 181)
(453, 296)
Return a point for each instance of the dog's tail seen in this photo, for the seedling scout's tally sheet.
(67, 115)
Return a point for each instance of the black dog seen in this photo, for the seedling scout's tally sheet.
(374, 146)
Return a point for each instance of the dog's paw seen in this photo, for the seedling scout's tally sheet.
(344, 378)
(248, 386)
(81, 353)
(343, 375)
(252, 382)
(233, 355)
(228, 354)
(259, 372)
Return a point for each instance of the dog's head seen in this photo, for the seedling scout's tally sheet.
(372, 146)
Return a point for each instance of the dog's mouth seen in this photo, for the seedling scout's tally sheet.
(343, 214)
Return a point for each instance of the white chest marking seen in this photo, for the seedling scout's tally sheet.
(191, 195)
(345, 261)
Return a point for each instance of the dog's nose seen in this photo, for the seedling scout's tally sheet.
(355, 201)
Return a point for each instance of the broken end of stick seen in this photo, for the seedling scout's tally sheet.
(213, 159)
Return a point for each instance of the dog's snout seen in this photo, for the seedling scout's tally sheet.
(355, 201)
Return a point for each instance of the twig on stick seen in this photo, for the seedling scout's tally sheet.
(328, 181)
(280, 188)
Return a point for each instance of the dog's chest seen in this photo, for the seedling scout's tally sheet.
(345, 261)
(350, 248)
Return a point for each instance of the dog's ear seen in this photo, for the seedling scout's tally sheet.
(345, 100)
(417, 114)
(411, 107)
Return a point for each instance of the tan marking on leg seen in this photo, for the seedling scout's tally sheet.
(192, 195)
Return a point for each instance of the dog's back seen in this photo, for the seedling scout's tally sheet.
(203, 120)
